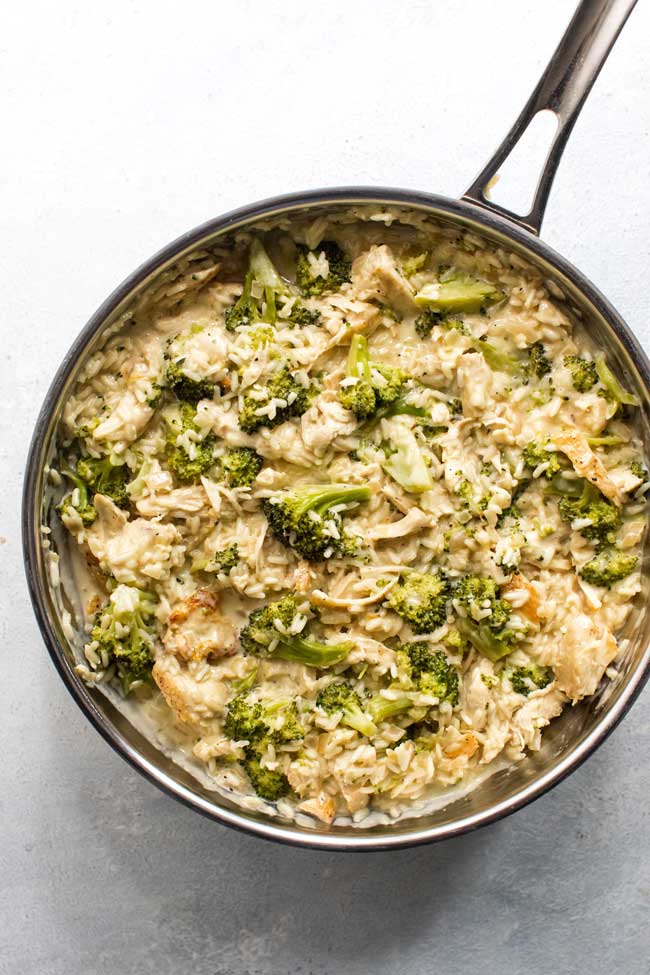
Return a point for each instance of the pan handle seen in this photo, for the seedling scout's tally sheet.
(562, 89)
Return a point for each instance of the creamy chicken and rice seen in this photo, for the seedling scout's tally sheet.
(362, 510)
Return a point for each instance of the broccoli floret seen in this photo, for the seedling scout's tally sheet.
(82, 505)
(426, 322)
(603, 516)
(263, 289)
(492, 644)
(376, 386)
(262, 286)
(246, 310)
(612, 389)
(420, 598)
(429, 671)
(583, 372)
(341, 697)
(406, 463)
(539, 363)
(360, 397)
(459, 293)
(402, 407)
(301, 316)
(246, 719)
(268, 783)
(226, 559)
(102, 477)
(637, 468)
(95, 476)
(608, 567)
(525, 680)
(272, 631)
(241, 466)
(293, 396)
(124, 634)
(534, 455)
(414, 264)
(339, 269)
(304, 521)
(429, 319)
(261, 723)
(188, 464)
(479, 594)
(185, 388)
(260, 336)
(489, 634)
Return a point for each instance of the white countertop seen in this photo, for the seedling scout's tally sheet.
(124, 125)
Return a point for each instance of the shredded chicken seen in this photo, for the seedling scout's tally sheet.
(126, 422)
(134, 552)
(375, 276)
(353, 604)
(413, 521)
(189, 500)
(574, 444)
(582, 656)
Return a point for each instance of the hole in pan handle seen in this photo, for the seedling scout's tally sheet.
(562, 89)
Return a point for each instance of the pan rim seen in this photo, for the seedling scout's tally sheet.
(269, 829)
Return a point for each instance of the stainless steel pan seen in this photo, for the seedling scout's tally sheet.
(578, 732)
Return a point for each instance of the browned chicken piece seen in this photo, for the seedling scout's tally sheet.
(376, 278)
(197, 629)
(194, 702)
(575, 445)
(321, 807)
(529, 609)
(465, 748)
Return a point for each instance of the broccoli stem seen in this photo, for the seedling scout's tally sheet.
(311, 652)
(381, 708)
(606, 441)
(612, 385)
(497, 360)
(321, 497)
(355, 718)
(262, 270)
(406, 464)
(460, 293)
(80, 484)
(359, 358)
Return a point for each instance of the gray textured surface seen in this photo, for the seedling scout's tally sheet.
(130, 123)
